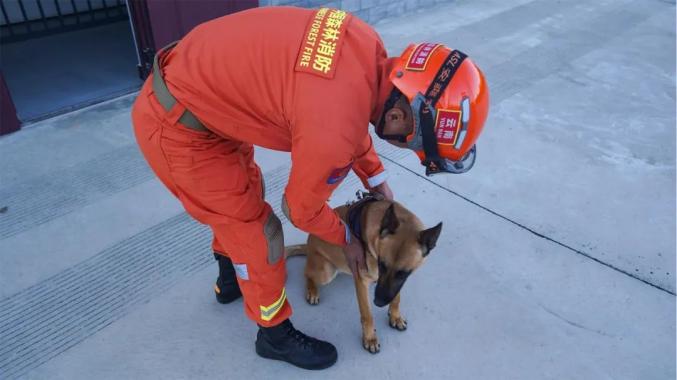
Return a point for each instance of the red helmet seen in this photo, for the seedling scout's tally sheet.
(449, 98)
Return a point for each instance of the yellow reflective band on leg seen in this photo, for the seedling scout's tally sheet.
(268, 312)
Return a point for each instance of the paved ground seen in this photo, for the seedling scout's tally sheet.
(556, 262)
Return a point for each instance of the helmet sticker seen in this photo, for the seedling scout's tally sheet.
(418, 59)
(447, 125)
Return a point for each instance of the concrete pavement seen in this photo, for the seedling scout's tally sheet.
(556, 260)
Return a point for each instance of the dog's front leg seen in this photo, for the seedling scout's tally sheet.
(369, 338)
(395, 318)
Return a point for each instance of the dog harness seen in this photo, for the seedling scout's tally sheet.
(355, 214)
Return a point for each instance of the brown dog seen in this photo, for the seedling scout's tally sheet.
(395, 244)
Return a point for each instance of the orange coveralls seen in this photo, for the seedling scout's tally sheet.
(290, 79)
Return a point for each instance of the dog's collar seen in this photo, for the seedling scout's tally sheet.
(355, 214)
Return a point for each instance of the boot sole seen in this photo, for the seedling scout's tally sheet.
(224, 300)
(273, 356)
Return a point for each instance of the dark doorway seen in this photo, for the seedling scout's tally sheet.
(60, 55)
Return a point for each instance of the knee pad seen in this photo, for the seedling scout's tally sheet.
(272, 230)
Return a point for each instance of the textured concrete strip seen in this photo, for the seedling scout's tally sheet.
(42, 321)
(45, 198)
(65, 141)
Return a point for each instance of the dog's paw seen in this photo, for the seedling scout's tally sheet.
(398, 323)
(313, 298)
(371, 344)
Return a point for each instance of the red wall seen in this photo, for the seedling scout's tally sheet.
(8, 120)
(172, 19)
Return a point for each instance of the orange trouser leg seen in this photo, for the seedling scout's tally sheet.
(212, 178)
(255, 181)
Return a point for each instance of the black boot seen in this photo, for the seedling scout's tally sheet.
(284, 342)
(226, 288)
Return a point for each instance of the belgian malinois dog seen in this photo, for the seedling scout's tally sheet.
(395, 244)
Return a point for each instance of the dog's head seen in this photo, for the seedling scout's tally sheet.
(401, 246)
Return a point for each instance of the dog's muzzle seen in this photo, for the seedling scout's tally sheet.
(383, 296)
(380, 302)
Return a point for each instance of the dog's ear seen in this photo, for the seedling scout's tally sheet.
(428, 238)
(389, 223)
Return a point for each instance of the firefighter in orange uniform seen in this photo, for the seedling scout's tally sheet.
(307, 82)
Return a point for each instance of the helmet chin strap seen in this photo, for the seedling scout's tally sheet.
(395, 95)
(433, 162)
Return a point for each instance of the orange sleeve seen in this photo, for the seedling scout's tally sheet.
(329, 121)
(315, 173)
(368, 166)
(326, 141)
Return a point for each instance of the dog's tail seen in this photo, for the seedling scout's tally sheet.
(295, 250)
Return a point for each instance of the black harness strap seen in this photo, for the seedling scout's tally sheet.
(354, 216)
(428, 133)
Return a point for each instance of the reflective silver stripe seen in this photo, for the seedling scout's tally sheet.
(465, 110)
(465, 118)
(267, 313)
(241, 271)
(461, 138)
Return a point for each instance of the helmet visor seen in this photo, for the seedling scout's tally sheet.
(455, 167)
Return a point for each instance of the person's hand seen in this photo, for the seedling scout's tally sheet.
(354, 255)
(384, 189)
